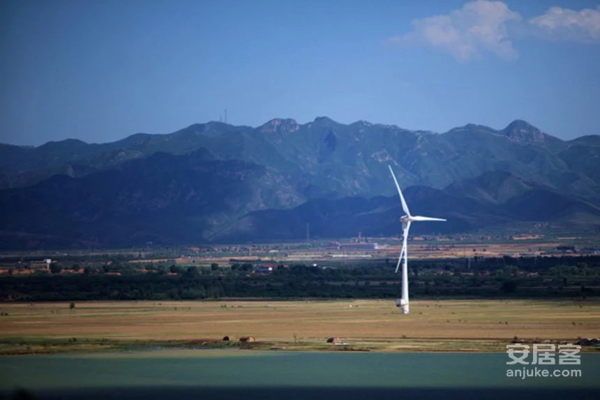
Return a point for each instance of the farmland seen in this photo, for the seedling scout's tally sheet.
(370, 325)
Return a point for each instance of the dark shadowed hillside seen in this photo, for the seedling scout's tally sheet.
(162, 199)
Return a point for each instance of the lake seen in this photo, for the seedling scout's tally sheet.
(249, 374)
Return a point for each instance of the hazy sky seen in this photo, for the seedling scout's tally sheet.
(100, 70)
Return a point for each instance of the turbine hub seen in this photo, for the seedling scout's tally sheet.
(404, 219)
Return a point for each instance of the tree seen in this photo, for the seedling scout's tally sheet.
(509, 286)
(246, 267)
(55, 268)
(214, 267)
(175, 269)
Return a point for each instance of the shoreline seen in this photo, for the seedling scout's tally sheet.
(85, 346)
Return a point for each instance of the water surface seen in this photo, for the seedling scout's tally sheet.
(277, 375)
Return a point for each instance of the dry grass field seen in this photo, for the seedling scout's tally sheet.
(376, 325)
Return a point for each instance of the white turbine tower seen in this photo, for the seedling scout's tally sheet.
(406, 220)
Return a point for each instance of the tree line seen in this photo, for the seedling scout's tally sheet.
(546, 277)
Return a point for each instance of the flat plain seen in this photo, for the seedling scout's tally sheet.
(368, 325)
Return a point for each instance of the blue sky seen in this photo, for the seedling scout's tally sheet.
(101, 70)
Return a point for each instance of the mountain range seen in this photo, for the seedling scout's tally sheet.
(215, 182)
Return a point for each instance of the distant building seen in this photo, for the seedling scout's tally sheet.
(358, 246)
(264, 269)
(566, 249)
(590, 251)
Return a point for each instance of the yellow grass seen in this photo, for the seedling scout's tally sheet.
(467, 325)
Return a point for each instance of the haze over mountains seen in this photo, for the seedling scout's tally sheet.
(216, 182)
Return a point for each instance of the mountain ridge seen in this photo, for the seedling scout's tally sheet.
(276, 177)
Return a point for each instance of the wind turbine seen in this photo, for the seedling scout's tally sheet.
(406, 220)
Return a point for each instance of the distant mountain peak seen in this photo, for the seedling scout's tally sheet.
(212, 123)
(211, 128)
(473, 128)
(65, 142)
(362, 122)
(520, 124)
(283, 125)
(325, 121)
(523, 132)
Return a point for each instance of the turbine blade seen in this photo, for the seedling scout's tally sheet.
(405, 228)
(399, 260)
(420, 218)
(404, 206)
(405, 242)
